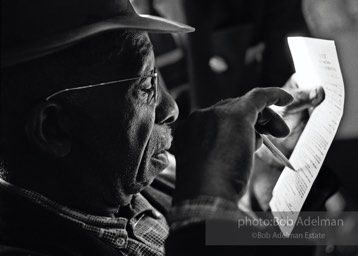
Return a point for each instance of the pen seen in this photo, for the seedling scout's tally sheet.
(276, 152)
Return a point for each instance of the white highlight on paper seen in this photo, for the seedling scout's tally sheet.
(316, 63)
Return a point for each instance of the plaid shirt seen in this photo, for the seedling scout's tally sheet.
(145, 232)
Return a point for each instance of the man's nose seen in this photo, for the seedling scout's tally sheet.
(167, 110)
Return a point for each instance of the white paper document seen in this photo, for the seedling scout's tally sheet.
(316, 63)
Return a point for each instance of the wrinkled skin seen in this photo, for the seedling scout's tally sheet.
(215, 147)
(267, 168)
(100, 146)
(124, 136)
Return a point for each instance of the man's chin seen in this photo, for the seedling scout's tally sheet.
(146, 175)
(139, 186)
(125, 200)
(145, 181)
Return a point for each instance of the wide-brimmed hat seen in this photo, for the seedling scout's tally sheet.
(34, 28)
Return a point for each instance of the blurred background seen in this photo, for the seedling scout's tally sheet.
(242, 44)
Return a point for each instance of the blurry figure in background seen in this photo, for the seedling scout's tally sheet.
(239, 45)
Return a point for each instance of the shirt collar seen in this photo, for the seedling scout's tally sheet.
(64, 211)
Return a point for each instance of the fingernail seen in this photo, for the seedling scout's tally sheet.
(314, 96)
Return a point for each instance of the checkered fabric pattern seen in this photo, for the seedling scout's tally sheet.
(201, 208)
(145, 232)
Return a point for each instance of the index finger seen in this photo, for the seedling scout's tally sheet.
(261, 98)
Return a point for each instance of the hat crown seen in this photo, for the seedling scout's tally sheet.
(28, 20)
(32, 29)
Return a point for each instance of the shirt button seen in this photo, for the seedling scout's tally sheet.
(120, 241)
(157, 214)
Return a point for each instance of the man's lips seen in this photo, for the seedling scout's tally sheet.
(161, 159)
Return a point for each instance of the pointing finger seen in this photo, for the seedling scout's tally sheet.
(264, 97)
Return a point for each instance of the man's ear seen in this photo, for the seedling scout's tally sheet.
(48, 128)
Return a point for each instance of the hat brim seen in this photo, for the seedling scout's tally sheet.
(151, 24)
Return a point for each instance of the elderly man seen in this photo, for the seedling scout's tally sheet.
(85, 129)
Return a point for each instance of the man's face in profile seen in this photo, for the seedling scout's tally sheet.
(123, 134)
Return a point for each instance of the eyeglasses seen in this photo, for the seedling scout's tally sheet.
(154, 82)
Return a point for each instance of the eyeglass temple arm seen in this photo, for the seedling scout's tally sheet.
(97, 85)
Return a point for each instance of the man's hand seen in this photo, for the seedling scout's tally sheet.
(267, 168)
(214, 148)
(295, 115)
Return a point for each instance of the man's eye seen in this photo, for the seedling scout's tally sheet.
(148, 87)
(147, 83)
